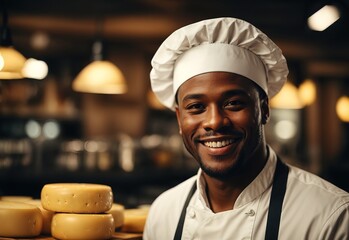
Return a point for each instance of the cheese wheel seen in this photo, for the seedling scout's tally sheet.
(117, 210)
(46, 216)
(82, 226)
(16, 198)
(77, 197)
(135, 220)
(19, 219)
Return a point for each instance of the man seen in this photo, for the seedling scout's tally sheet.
(218, 75)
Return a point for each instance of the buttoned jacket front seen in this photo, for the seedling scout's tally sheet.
(312, 209)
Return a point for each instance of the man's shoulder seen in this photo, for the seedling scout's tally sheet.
(311, 180)
(315, 190)
(321, 208)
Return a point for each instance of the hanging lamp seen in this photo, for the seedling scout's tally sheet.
(11, 61)
(287, 98)
(342, 108)
(307, 92)
(100, 76)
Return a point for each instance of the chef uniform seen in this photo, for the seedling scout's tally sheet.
(282, 202)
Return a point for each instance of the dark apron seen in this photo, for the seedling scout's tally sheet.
(275, 205)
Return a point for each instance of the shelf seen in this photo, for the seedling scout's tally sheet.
(132, 188)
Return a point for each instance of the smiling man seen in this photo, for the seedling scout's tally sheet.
(218, 76)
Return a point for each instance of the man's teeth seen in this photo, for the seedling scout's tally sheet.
(218, 144)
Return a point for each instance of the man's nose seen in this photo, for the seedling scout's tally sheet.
(215, 118)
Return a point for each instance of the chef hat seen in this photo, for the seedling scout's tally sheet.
(220, 44)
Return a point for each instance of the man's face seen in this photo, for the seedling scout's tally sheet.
(221, 119)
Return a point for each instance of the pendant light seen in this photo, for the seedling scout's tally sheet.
(287, 98)
(100, 76)
(307, 92)
(324, 18)
(11, 61)
(342, 108)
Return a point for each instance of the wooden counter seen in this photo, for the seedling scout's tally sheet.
(116, 236)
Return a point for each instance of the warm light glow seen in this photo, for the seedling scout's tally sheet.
(342, 108)
(51, 129)
(323, 18)
(33, 129)
(39, 40)
(100, 77)
(285, 129)
(307, 92)
(287, 98)
(1, 62)
(36, 69)
(12, 63)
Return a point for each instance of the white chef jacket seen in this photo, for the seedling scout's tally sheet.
(313, 209)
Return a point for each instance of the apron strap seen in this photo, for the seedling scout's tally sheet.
(275, 206)
(276, 200)
(179, 229)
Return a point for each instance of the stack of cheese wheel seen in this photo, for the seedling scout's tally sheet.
(18, 219)
(80, 210)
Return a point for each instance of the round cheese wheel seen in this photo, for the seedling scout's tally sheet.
(135, 220)
(82, 226)
(77, 197)
(46, 216)
(16, 198)
(117, 210)
(19, 219)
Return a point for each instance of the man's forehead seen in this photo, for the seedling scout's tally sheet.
(217, 82)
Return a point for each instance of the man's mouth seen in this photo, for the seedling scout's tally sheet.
(219, 144)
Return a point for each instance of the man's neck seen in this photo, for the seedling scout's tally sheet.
(222, 194)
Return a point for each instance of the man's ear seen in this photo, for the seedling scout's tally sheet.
(179, 123)
(265, 110)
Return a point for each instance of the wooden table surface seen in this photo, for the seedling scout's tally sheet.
(116, 236)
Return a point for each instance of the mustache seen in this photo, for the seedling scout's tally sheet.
(219, 132)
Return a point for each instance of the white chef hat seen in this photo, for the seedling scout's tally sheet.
(216, 45)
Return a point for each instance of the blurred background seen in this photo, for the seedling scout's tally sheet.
(62, 121)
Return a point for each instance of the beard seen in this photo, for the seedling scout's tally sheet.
(240, 165)
(223, 174)
(251, 139)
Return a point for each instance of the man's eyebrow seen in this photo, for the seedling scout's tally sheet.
(192, 96)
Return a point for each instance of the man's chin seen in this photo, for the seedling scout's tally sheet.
(221, 174)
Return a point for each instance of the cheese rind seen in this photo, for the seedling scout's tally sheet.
(19, 219)
(77, 197)
(46, 216)
(117, 210)
(82, 226)
(135, 220)
(16, 198)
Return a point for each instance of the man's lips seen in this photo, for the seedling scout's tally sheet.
(219, 143)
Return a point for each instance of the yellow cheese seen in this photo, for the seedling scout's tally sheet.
(46, 216)
(82, 226)
(15, 198)
(19, 219)
(135, 220)
(77, 197)
(117, 210)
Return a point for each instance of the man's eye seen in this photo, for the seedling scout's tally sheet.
(195, 107)
(236, 104)
(233, 103)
